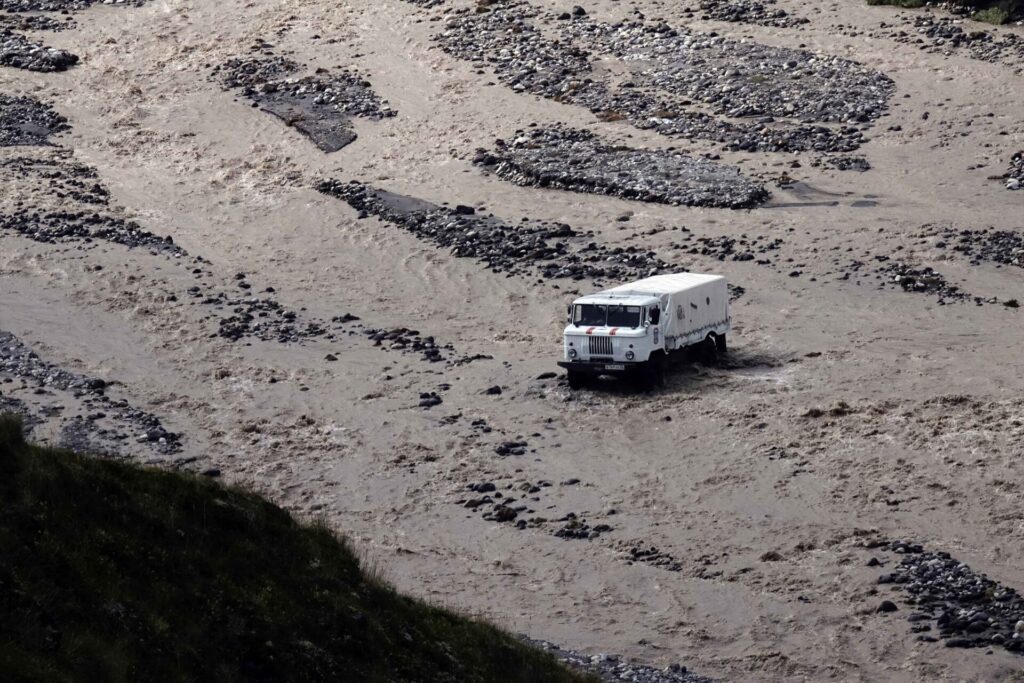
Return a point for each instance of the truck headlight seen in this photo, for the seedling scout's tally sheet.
(572, 353)
(630, 355)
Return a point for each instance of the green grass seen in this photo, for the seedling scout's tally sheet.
(119, 573)
(990, 11)
(992, 15)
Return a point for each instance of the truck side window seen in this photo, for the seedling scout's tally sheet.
(655, 315)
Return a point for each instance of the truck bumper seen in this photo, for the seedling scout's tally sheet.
(602, 368)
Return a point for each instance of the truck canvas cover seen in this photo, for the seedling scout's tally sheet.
(692, 303)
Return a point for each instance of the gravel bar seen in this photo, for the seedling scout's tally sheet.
(571, 159)
(19, 361)
(615, 669)
(673, 76)
(319, 106)
(969, 609)
(28, 121)
(21, 53)
(550, 250)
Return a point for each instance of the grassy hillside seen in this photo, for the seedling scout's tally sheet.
(113, 572)
(991, 11)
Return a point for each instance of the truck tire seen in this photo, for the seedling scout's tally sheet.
(575, 379)
(709, 350)
(653, 374)
(720, 343)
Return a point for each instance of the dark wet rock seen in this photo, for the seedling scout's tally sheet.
(64, 177)
(969, 609)
(320, 106)
(33, 22)
(577, 160)
(847, 163)
(887, 606)
(429, 400)
(511, 448)
(27, 121)
(264, 319)
(923, 280)
(615, 669)
(61, 5)
(743, 247)
(492, 391)
(410, 341)
(639, 552)
(64, 226)
(19, 361)
(574, 527)
(947, 35)
(1005, 247)
(21, 53)
(552, 250)
(1015, 174)
(502, 513)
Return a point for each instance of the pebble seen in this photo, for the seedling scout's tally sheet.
(1004, 247)
(55, 227)
(921, 279)
(1015, 173)
(574, 527)
(62, 6)
(33, 22)
(60, 175)
(429, 400)
(760, 12)
(511, 448)
(947, 35)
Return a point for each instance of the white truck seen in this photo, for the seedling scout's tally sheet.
(633, 328)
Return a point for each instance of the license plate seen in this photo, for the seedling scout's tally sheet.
(614, 366)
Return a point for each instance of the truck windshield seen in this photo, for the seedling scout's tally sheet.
(596, 315)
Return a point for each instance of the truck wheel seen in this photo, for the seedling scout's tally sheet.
(709, 350)
(575, 380)
(654, 372)
(720, 344)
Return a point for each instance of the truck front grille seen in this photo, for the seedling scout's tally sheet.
(600, 346)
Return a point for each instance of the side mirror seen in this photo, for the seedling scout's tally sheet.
(568, 312)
